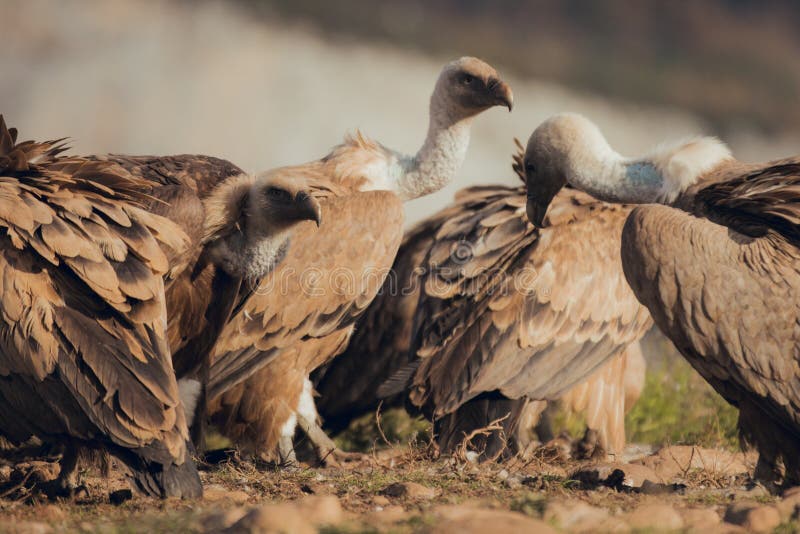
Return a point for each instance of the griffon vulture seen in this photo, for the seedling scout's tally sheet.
(505, 312)
(84, 360)
(717, 264)
(292, 334)
(240, 227)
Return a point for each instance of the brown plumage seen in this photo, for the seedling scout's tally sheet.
(379, 347)
(505, 312)
(210, 199)
(240, 227)
(299, 318)
(84, 358)
(268, 338)
(719, 269)
(602, 400)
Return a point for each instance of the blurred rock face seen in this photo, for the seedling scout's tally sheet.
(166, 77)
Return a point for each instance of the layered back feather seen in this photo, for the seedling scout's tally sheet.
(83, 350)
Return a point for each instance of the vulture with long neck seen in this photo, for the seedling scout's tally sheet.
(84, 360)
(489, 312)
(716, 260)
(260, 374)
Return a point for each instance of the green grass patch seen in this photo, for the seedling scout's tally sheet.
(677, 406)
(399, 428)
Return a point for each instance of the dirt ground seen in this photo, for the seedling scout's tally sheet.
(402, 489)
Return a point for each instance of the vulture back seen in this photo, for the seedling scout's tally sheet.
(83, 355)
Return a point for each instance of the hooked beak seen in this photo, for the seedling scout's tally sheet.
(307, 208)
(537, 209)
(503, 95)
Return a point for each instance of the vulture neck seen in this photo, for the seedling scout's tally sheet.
(441, 155)
(660, 178)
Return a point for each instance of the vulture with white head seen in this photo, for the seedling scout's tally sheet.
(504, 312)
(84, 360)
(717, 264)
(278, 340)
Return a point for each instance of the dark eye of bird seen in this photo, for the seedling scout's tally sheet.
(277, 193)
(466, 79)
(530, 167)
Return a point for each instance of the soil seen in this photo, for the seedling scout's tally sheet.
(404, 489)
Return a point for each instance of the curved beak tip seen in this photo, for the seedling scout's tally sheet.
(505, 95)
(536, 213)
(309, 208)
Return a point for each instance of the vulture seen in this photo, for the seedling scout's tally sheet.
(715, 258)
(488, 312)
(84, 360)
(260, 374)
(240, 226)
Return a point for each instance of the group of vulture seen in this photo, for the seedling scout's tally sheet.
(144, 298)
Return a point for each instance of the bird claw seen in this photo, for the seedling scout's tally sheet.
(338, 457)
(58, 489)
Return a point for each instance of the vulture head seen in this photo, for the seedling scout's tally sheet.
(249, 220)
(469, 86)
(555, 149)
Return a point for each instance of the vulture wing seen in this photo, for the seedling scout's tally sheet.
(529, 313)
(379, 347)
(724, 286)
(180, 184)
(328, 278)
(82, 314)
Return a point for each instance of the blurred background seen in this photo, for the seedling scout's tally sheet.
(273, 82)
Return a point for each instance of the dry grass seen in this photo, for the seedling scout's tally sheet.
(522, 486)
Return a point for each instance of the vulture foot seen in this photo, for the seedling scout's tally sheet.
(589, 447)
(328, 453)
(66, 486)
(61, 489)
(286, 454)
(768, 474)
(337, 458)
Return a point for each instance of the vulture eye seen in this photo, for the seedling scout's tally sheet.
(530, 168)
(467, 79)
(278, 194)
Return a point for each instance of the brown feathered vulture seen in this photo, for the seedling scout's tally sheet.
(240, 227)
(717, 264)
(84, 360)
(508, 312)
(278, 339)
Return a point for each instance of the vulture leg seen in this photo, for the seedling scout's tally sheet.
(774, 469)
(308, 419)
(286, 450)
(473, 421)
(544, 427)
(66, 484)
(768, 473)
(225, 290)
(589, 447)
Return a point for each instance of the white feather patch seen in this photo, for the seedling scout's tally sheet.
(189, 390)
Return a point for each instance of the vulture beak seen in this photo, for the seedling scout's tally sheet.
(503, 94)
(536, 211)
(307, 208)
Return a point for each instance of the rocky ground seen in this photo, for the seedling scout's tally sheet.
(676, 489)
